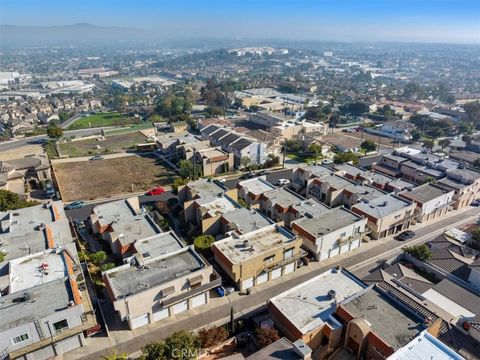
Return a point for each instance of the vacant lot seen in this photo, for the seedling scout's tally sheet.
(103, 119)
(88, 180)
(111, 144)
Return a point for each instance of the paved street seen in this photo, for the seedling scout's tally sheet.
(219, 309)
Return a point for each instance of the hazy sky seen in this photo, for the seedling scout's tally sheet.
(396, 20)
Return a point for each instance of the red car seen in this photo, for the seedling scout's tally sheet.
(156, 191)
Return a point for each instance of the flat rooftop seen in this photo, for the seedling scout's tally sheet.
(217, 205)
(239, 248)
(423, 193)
(205, 187)
(282, 197)
(37, 269)
(158, 245)
(256, 186)
(386, 317)
(316, 170)
(282, 349)
(46, 299)
(308, 306)
(425, 346)
(327, 222)
(310, 208)
(247, 220)
(382, 206)
(128, 280)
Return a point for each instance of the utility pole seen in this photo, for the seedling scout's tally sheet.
(363, 127)
(378, 147)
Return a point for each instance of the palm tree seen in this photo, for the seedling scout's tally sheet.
(114, 355)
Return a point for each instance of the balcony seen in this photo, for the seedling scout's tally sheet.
(276, 265)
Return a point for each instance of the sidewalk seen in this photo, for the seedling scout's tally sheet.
(217, 311)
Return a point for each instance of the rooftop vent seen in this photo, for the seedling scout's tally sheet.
(246, 243)
(331, 294)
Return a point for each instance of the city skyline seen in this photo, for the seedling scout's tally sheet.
(374, 20)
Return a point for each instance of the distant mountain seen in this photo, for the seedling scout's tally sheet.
(82, 33)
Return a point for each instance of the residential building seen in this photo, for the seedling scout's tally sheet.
(387, 215)
(283, 349)
(302, 174)
(306, 311)
(306, 208)
(376, 325)
(330, 233)
(203, 188)
(399, 130)
(431, 200)
(212, 160)
(276, 203)
(243, 221)
(425, 346)
(269, 119)
(45, 306)
(121, 223)
(259, 256)
(144, 291)
(466, 186)
(251, 190)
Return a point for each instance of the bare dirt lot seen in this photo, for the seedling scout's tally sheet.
(21, 152)
(89, 180)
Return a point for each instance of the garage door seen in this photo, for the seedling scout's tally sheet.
(247, 284)
(263, 277)
(289, 268)
(198, 300)
(324, 255)
(160, 314)
(180, 307)
(355, 244)
(275, 273)
(345, 248)
(139, 321)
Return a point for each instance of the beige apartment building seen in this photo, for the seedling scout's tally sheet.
(387, 215)
(259, 256)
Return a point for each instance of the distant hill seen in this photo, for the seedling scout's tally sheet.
(68, 34)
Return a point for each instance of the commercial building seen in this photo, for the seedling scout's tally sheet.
(258, 256)
(431, 200)
(146, 291)
(330, 233)
(387, 215)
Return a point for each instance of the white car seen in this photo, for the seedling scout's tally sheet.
(282, 182)
(327, 162)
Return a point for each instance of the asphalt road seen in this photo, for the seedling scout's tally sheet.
(260, 297)
(83, 213)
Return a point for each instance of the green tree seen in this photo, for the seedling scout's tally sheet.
(177, 183)
(429, 144)
(63, 116)
(345, 157)
(182, 345)
(415, 135)
(473, 111)
(114, 355)
(188, 170)
(203, 243)
(476, 238)
(476, 163)
(107, 266)
(368, 146)
(11, 201)
(316, 149)
(154, 118)
(54, 132)
(355, 108)
(272, 160)
(154, 351)
(466, 128)
(444, 143)
(420, 252)
(98, 257)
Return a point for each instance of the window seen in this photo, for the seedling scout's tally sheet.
(288, 254)
(343, 234)
(19, 339)
(269, 259)
(59, 326)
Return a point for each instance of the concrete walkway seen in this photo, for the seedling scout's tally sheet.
(218, 310)
(87, 158)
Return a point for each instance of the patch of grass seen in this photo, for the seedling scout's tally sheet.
(303, 158)
(101, 120)
(50, 149)
(111, 144)
(132, 128)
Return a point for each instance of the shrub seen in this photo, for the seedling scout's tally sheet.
(266, 336)
(203, 243)
(212, 336)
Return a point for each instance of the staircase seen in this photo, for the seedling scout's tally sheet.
(39, 329)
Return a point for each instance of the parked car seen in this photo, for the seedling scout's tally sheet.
(327, 162)
(475, 203)
(282, 182)
(246, 176)
(155, 191)
(408, 234)
(97, 157)
(49, 189)
(262, 172)
(75, 205)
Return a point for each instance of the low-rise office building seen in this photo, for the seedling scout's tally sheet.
(146, 291)
(431, 200)
(258, 256)
(330, 233)
(387, 215)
